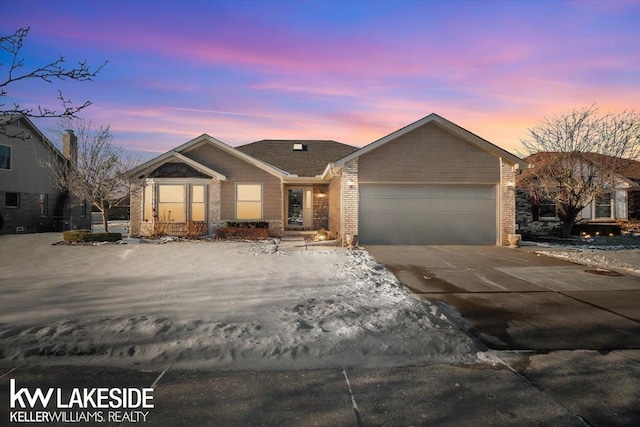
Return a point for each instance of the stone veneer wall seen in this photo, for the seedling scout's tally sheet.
(320, 207)
(524, 219)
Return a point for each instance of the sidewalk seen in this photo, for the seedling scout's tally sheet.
(560, 389)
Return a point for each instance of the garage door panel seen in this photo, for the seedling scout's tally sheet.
(399, 191)
(428, 207)
(427, 214)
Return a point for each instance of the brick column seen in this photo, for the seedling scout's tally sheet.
(135, 209)
(349, 200)
(507, 202)
(213, 214)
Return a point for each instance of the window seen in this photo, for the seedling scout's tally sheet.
(547, 209)
(248, 201)
(83, 210)
(171, 206)
(147, 214)
(197, 203)
(5, 157)
(603, 205)
(12, 200)
(44, 204)
(175, 202)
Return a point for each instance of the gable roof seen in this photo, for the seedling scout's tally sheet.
(7, 119)
(177, 170)
(447, 125)
(204, 139)
(168, 157)
(626, 168)
(310, 161)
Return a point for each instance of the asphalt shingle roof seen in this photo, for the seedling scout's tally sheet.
(308, 163)
(627, 168)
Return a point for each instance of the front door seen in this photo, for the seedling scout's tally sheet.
(300, 207)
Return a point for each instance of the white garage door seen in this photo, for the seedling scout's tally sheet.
(395, 214)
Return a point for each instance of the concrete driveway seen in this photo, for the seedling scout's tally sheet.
(518, 300)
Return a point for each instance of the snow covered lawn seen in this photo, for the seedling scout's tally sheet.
(612, 257)
(212, 305)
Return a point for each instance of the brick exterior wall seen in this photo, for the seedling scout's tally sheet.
(214, 212)
(507, 202)
(334, 207)
(349, 202)
(135, 212)
(57, 218)
(430, 155)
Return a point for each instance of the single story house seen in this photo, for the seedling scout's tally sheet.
(431, 182)
(620, 202)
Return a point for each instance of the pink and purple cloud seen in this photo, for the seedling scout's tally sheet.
(350, 71)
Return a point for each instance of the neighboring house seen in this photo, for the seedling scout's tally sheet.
(29, 199)
(620, 202)
(431, 182)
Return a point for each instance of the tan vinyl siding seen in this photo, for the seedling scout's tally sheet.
(239, 171)
(429, 154)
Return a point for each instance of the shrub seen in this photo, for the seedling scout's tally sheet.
(88, 236)
(247, 224)
(629, 226)
(194, 229)
(242, 233)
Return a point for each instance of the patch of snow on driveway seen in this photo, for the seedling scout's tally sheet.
(355, 314)
(616, 258)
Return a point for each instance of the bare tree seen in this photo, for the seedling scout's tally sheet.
(576, 156)
(98, 174)
(13, 70)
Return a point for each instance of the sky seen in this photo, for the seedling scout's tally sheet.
(350, 71)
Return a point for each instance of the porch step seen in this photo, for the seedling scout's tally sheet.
(292, 243)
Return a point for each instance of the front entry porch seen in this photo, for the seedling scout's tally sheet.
(306, 207)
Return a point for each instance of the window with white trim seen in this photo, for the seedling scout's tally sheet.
(249, 201)
(171, 206)
(198, 200)
(603, 205)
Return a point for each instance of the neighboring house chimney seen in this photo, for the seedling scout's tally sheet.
(70, 147)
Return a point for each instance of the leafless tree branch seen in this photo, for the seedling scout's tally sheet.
(13, 70)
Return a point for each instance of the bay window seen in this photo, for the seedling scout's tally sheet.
(174, 202)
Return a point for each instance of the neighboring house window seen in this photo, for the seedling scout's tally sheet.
(83, 210)
(248, 201)
(171, 206)
(5, 157)
(198, 203)
(12, 200)
(44, 204)
(603, 205)
(547, 209)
